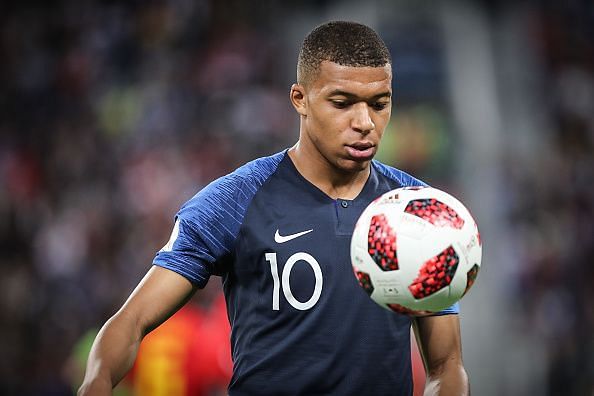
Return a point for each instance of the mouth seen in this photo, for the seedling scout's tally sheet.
(361, 151)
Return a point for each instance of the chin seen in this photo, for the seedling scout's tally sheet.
(350, 166)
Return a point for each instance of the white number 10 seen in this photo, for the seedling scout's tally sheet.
(286, 285)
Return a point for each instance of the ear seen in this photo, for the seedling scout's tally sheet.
(297, 97)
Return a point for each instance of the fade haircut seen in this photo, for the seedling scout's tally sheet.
(345, 43)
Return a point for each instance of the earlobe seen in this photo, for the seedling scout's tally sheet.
(297, 97)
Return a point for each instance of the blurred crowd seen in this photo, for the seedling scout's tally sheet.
(113, 114)
(551, 211)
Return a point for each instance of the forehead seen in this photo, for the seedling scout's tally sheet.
(361, 81)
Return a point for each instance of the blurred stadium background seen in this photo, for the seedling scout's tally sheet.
(114, 113)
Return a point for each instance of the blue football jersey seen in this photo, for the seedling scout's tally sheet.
(301, 324)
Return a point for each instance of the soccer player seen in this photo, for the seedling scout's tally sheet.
(277, 230)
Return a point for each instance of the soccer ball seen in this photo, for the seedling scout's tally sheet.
(416, 250)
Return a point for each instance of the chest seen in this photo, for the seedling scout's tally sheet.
(294, 249)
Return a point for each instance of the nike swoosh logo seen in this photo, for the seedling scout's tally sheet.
(278, 238)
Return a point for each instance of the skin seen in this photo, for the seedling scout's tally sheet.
(343, 111)
(158, 295)
(440, 345)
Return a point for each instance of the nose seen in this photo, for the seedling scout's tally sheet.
(361, 121)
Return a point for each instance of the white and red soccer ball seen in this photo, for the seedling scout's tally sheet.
(416, 250)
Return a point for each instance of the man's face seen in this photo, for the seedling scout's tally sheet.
(345, 112)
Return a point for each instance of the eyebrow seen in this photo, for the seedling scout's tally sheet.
(338, 92)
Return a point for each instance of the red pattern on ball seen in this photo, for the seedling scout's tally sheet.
(471, 277)
(435, 274)
(381, 243)
(364, 281)
(435, 212)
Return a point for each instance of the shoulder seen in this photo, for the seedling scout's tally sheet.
(255, 172)
(237, 187)
(252, 174)
(402, 178)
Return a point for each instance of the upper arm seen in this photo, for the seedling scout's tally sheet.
(203, 235)
(439, 341)
(158, 296)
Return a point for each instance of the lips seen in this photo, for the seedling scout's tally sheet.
(361, 150)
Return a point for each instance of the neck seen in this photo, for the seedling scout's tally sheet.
(334, 182)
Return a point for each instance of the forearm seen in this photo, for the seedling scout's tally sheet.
(160, 293)
(112, 355)
(451, 379)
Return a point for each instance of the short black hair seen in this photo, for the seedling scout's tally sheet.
(342, 42)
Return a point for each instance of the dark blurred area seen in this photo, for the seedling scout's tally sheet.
(552, 213)
(112, 114)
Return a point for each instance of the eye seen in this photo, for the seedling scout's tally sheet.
(378, 106)
(340, 104)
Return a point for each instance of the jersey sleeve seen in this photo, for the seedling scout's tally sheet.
(206, 226)
(205, 229)
(402, 178)
(453, 310)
